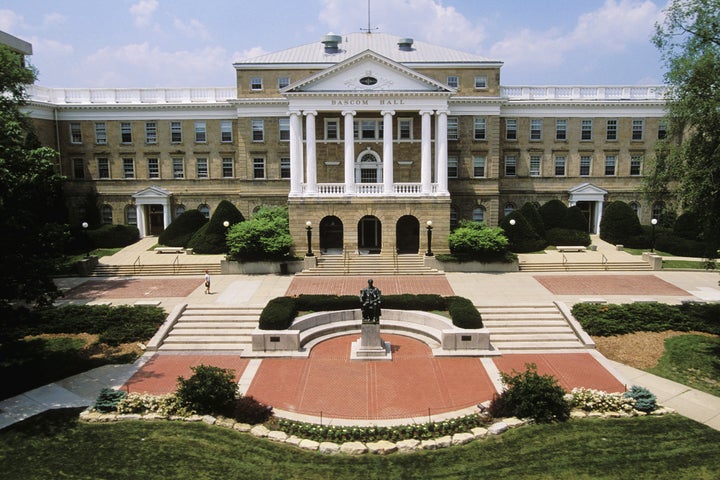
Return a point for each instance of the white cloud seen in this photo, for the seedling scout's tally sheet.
(49, 47)
(192, 29)
(248, 53)
(143, 11)
(9, 20)
(53, 19)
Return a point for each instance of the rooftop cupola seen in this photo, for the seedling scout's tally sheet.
(405, 44)
(331, 42)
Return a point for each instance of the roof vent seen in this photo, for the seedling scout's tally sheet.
(331, 42)
(405, 44)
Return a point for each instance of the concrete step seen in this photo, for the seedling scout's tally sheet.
(498, 330)
(208, 347)
(227, 332)
(583, 266)
(507, 347)
(103, 270)
(533, 337)
(211, 324)
(206, 339)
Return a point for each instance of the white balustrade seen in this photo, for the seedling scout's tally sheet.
(569, 92)
(76, 96)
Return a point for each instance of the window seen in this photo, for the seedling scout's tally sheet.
(536, 129)
(282, 82)
(452, 128)
(452, 81)
(586, 129)
(103, 167)
(284, 167)
(227, 167)
(637, 129)
(535, 165)
(452, 167)
(200, 132)
(258, 130)
(610, 165)
(204, 209)
(125, 132)
(78, 168)
(150, 132)
(332, 131)
(480, 128)
(478, 214)
(635, 165)
(258, 168)
(106, 215)
(510, 129)
(256, 83)
(658, 209)
(178, 166)
(481, 82)
(561, 129)
(226, 131)
(509, 208)
(75, 133)
(510, 165)
(560, 166)
(404, 128)
(128, 168)
(202, 167)
(284, 128)
(179, 210)
(153, 168)
(585, 161)
(368, 129)
(130, 215)
(479, 167)
(453, 218)
(662, 129)
(611, 130)
(100, 133)
(175, 132)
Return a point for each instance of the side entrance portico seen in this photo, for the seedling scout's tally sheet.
(153, 210)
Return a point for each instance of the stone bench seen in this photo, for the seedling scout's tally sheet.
(571, 248)
(169, 249)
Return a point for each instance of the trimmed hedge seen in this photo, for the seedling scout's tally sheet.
(619, 223)
(280, 312)
(179, 232)
(564, 236)
(113, 236)
(211, 237)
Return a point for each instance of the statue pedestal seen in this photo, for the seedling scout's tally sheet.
(370, 346)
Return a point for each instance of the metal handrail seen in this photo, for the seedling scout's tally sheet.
(176, 264)
(396, 266)
(565, 261)
(136, 265)
(604, 261)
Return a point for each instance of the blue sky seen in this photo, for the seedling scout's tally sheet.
(172, 43)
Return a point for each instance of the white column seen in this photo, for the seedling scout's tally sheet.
(598, 215)
(388, 161)
(311, 157)
(140, 213)
(295, 154)
(426, 154)
(441, 152)
(167, 214)
(349, 152)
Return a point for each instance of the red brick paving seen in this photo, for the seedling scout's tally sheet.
(608, 285)
(389, 285)
(135, 288)
(570, 369)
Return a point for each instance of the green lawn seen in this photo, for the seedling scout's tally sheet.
(693, 360)
(56, 445)
(685, 264)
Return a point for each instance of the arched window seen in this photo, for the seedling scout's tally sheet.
(130, 215)
(179, 210)
(106, 213)
(205, 210)
(509, 208)
(478, 214)
(635, 208)
(368, 168)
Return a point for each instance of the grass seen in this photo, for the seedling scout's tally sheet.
(693, 360)
(685, 264)
(56, 445)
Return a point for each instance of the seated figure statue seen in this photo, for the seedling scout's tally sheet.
(370, 303)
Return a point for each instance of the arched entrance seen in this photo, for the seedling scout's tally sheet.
(368, 167)
(331, 235)
(407, 234)
(369, 234)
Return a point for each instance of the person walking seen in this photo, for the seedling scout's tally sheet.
(207, 281)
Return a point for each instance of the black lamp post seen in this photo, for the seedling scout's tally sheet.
(308, 227)
(429, 233)
(653, 222)
(85, 226)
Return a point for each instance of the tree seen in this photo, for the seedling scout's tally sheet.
(521, 236)
(689, 161)
(33, 238)
(619, 223)
(181, 230)
(211, 238)
(475, 241)
(265, 237)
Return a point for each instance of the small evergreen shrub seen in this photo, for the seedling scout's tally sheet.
(531, 212)
(575, 219)
(423, 302)
(108, 399)
(249, 410)
(278, 314)
(209, 390)
(553, 214)
(113, 236)
(179, 232)
(522, 238)
(463, 313)
(606, 320)
(319, 303)
(645, 401)
(564, 236)
(687, 226)
(531, 395)
(680, 246)
(619, 223)
(211, 238)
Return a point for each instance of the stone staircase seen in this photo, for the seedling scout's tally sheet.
(373, 264)
(208, 328)
(575, 266)
(523, 328)
(105, 270)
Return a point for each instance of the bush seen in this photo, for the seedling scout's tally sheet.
(680, 246)
(265, 237)
(168, 404)
(564, 236)
(113, 236)
(687, 226)
(211, 238)
(606, 320)
(249, 410)
(463, 313)
(209, 390)
(599, 401)
(644, 400)
(531, 212)
(530, 395)
(278, 314)
(521, 236)
(478, 242)
(553, 214)
(619, 223)
(179, 232)
(575, 219)
(108, 399)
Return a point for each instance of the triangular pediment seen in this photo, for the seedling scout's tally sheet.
(153, 193)
(586, 192)
(367, 72)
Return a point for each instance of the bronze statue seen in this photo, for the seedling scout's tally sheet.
(370, 303)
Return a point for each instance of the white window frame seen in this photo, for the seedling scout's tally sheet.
(257, 130)
(478, 214)
(405, 128)
(328, 130)
(452, 128)
(453, 81)
(128, 168)
(178, 168)
(510, 166)
(560, 160)
(256, 84)
(75, 133)
(481, 82)
(536, 129)
(283, 82)
(535, 165)
(151, 133)
(662, 129)
(586, 127)
(480, 128)
(200, 132)
(226, 131)
(153, 170)
(106, 214)
(610, 165)
(257, 167)
(638, 129)
(202, 167)
(637, 162)
(228, 164)
(479, 166)
(453, 166)
(284, 129)
(103, 164)
(585, 163)
(511, 125)
(285, 168)
(100, 133)
(611, 130)
(561, 129)
(130, 215)
(175, 130)
(126, 133)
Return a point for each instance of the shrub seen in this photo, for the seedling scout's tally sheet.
(179, 232)
(211, 238)
(108, 399)
(209, 390)
(113, 236)
(605, 320)
(265, 237)
(521, 236)
(553, 214)
(680, 246)
(644, 400)
(598, 401)
(619, 223)
(463, 313)
(479, 243)
(168, 404)
(564, 236)
(575, 219)
(530, 395)
(687, 226)
(278, 314)
(249, 410)
(531, 212)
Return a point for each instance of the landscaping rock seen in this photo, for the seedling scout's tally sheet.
(498, 428)
(306, 444)
(209, 419)
(479, 432)
(578, 414)
(193, 418)
(428, 445)
(329, 448)
(225, 422)
(409, 445)
(383, 447)
(353, 448)
(242, 427)
(293, 440)
(154, 416)
(514, 422)
(129, 416)
(277, 436)
(462, 438)
(444, 442)
(259, 431)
